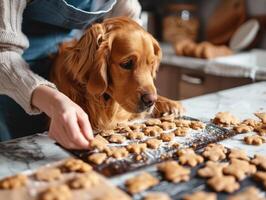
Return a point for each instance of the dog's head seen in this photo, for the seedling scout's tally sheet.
(120, 59)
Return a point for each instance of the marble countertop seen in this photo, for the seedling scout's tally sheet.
(36, 150)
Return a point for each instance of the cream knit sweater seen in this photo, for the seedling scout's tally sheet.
(16, 79)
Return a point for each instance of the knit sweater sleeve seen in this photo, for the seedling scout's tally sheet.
(16, 79)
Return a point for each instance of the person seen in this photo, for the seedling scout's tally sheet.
(30, 31)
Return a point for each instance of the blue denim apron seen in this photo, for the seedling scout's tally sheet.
(46, 24)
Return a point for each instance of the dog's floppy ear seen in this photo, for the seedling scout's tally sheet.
(158, 54)
(87, 60)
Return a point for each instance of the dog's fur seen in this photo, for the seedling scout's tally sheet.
(90, 72)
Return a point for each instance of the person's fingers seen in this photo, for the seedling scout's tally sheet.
(85, 125)
(73, 130)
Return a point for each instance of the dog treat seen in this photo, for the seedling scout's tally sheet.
(137, 127)
(84, 182)
(247, 194)
(238, 154)
(99, 143)
(225, 119)
(117, 152)
(157, 196)
(261, 116)
(250, 122)
(200, 195)
(153, 122)
(189, 157)
(75, 165)
(61, 192)
(254, 140)
(48, 174)
(117, 138)
(123, 127)
(141, 182)
(153, 143)
(239, 169)
(181, 131)
(212, 169)
(97, 158)
(215, 152)
(182, 123)
(259, 161)
(223, 184)
(13, 182)
(106, 133)
(174, 144)
(261, 177)
(137, 148)
(135, 135)
(167, 125)
(197, 125)
(167, 137)
(153, 131)
(168, 118)
(243, 128)
(174, 172)
(261, 129)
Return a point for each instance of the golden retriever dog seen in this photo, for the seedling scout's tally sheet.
(110, 73)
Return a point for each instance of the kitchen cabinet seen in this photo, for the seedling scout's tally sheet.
(181, 83)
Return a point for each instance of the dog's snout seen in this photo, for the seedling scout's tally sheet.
(148, 99)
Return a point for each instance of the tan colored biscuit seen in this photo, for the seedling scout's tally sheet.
(13, 182)
(225, 119)
(137, 127)
(168, 118)
(137, 148)
(238, 154)
(261, 116)
(243, 128)
(97, 158)
(250, 122)
(247, 194)
(261, 129)
(133, 135)
(212, 169)
(153, 131)
(117, 138)
(157, 196)
(174, 172)
(182, 123)
(259, 161)
(215, 152)
(106, 133)
(48, 174)
(123, 127)
(189, 157)
(167, 137)
(99, 143)
(75, 165)
(167, 125)
(200, 195)
(239, 169)
(61, 192)
(254, 140)
(153, 122)
(181, 131)
(84, 182)
(117, 152)
(261, 177)
(174, 144)
(223, 184)
(140, 182)
(181, 45)
(153, 143)
(197, 125)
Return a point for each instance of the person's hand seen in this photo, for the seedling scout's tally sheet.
(69, 124)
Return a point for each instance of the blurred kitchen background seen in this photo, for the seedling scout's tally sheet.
(208, 45)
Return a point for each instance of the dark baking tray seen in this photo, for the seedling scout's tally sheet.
(211, 133)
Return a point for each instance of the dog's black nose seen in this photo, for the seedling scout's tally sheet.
(148, 99)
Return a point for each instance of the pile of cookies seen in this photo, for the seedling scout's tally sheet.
(66, 180)
(136, 139)
(204, 50)
(223, 171)
(227, 120)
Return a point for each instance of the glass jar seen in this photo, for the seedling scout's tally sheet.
(180, 22)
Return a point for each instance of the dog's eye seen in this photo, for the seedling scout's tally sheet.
(128, 64)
